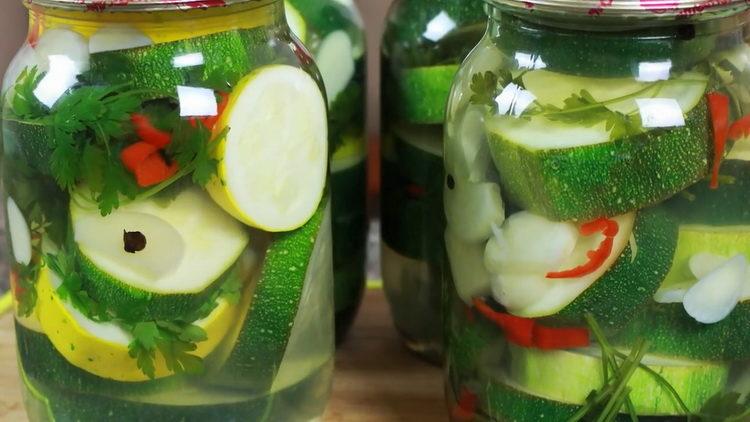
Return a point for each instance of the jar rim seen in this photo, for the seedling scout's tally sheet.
(663, 10)
(135, 5)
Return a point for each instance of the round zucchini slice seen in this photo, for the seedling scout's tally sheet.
(156, 260)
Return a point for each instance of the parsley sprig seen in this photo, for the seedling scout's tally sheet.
(174, 341)
(90, 125)
(581, 108)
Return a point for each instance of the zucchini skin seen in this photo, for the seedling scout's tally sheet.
(670, 331)
(134, 303)
(259, 347)
(423, 93)
(602, 54)
(226, 60)
(502, 402)
(726, 206)
(413, 225)
(632, 281)
(42, 362)
(612, 178)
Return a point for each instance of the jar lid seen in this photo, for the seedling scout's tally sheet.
(635, 9)
(133, 5)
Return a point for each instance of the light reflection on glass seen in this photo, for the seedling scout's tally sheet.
(188, 60)
(197, 102)
(654, 71)
(660, 113)
(514, 100)
(439, 26)
(529, 61)
(60, 77)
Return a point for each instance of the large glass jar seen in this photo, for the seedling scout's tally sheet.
(424, 42)
(333, 32)
(165, 166)
(597, 197)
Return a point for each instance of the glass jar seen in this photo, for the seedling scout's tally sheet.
(165, 166)
(597, 204)
(334, 33)
(423, 44)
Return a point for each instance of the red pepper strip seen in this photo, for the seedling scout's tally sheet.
(547, 338)
(148, 133)
(718, 106)
(740, 129)
(527, 332)
(15, 286)
(466, 406)
(598, 256)
(135, 154)
(154, 170)
(518, 330)
(210, 121)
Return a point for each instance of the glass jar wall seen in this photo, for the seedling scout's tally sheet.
(596, 197)
(165, 167)
(424, 42)
(334, 33)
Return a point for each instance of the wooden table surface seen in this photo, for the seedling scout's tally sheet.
(376, 380)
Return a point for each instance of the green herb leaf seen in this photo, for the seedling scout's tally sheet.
(192, 146)
(23, 102)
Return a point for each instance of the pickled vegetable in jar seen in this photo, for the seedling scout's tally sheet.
(423, 45)
(597, 198)
(165, 166)
(333, 31)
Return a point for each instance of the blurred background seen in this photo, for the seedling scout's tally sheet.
(13, 20)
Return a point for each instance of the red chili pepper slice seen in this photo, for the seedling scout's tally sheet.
(154, 170)
(135, 154)
(718, 106)
(740, 129)
(517, 330)
(527, 332)
(547, 338)
(466, 406)
(597, 257)
(148, 133)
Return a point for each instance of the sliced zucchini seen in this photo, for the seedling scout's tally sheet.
(670, 331)
(101, 348)
(573, 172)
(413, 218)
(605, 53)
(220, 61)
(253, 354)
(43, 363)
(727, 205)
(505, 400)
(523, 288)
(570, 376)
(335, 60)
(667, 326)
(189, 245)
(423, 93)
(274, 186)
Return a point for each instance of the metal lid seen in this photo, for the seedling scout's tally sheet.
(631, 9)
(133, 5)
